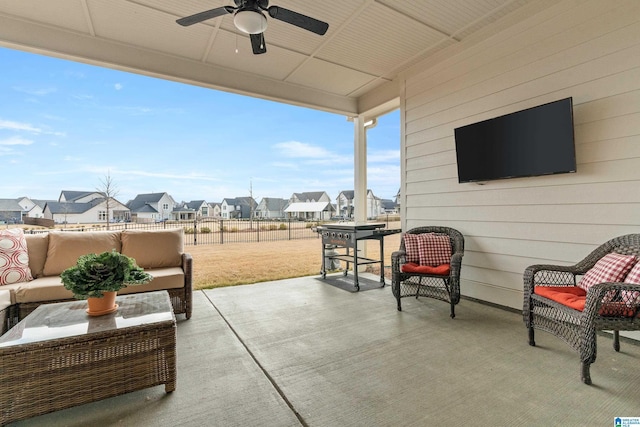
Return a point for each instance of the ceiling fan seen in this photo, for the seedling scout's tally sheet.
(249, 18)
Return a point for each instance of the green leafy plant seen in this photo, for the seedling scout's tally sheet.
(108, 271)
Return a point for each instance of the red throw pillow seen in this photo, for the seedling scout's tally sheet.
(411, 247)
(610, 268)
(428, 249)
(412, 267)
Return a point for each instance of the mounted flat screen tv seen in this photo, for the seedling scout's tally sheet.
(532, 142)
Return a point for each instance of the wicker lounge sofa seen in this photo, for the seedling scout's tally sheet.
(439, 279)
(160, 253)
(557, 302)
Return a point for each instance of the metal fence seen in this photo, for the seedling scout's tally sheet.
(216, 231)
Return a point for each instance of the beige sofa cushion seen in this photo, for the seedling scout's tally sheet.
(163, 278)
(42, 289)
(37, 246)
(66, 247)
(154, 249)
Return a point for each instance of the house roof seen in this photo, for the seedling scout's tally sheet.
(146, 208)
(70, 196)
(310, 195)
(388, 204)
(143, 199)
(348, 70)
(350, 194)
(308, 207)
(42, 202)
(274, 203)
(68, 207)
(195, 204)
(10, 205)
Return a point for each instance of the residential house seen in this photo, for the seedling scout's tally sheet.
(10, 211)
(314, 205)
(270, 208)
(151, 207)
(202, 208)
(345, 207)
(182, 212)
(26, 207)
(310, 197)
(238, 208)
(389, 206)
(35, 207)
(94, 211)
(216, 210)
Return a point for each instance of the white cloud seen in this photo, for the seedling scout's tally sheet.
(15, 140)
(295, 149)
(6, 124)
(26, 127)
(384, 156)
(118, 86)
(36, 92)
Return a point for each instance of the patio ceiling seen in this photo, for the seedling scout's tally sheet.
(350, 70)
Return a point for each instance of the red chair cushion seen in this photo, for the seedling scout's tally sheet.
(571, 296)
(412, 267)
(575, 298)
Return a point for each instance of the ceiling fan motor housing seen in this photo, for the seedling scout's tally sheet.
(251, 4)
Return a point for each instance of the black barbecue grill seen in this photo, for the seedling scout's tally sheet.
(347, 236)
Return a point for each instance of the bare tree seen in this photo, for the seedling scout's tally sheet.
(110, 191)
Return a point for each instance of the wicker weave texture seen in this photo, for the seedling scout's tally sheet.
(47, 376)
(445, 288)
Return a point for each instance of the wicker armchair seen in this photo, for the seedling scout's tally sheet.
(607, 305)
(442, 287)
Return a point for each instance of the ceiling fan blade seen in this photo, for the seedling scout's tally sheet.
(257, 43)
(298, 19)
(203, 16)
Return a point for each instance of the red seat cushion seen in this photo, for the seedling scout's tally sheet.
(571, 296)
(575, 297)
(412, 267)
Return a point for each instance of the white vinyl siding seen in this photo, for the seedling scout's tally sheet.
(588, 50)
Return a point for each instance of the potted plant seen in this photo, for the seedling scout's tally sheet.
(98, 277)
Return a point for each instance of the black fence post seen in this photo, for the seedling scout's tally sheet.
(257, 230)
(195, 231)
(289, 228)
(221, 231)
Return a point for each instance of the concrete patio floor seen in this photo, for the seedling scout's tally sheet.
(300, 352)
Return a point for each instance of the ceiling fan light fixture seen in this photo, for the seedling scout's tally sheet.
(250, 22)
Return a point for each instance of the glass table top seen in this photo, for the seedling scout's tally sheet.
(67, 319)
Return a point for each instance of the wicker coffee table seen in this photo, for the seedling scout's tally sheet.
(59, 357)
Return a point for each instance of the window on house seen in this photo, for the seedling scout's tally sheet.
(165, 206)
(102, 215)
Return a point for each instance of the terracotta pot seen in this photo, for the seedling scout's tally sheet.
(105, 305)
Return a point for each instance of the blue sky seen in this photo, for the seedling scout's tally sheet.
(65, 125)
